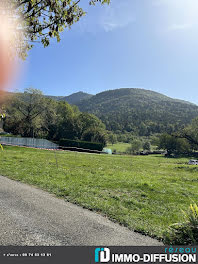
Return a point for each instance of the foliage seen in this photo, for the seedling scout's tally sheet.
(147, 146)
(135, 147)
(191, 133)
(125, 137)
(185, 233)
(32, 115)
(44, 20)
(90, 120)
(66, 125)
(112, 138)
(173, 145)
(2, 119)
(81, 144)
(95, 135)
(154, 139)
(138, 111)
(76, 97)
(23, 113)
(145, 193)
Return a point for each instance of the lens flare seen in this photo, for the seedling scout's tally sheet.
(9, 43)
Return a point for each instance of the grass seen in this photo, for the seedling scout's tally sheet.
(145, 193)
(120, 147)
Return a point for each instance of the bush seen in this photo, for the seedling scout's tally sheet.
(135, 147)
(185, 233)
(147, 146)
(114, 151)
(173, 145)
(95, 135)
(81, 144)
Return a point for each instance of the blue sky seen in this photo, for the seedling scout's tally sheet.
(150, 44)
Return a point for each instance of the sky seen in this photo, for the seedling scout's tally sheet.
(149, 44)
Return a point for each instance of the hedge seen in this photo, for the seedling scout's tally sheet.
(81, 144)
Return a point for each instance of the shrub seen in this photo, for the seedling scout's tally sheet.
(114, 151)
(95, 135)
(173, 145)
(147, 146)
(81, 144)
(135, 147)
(185, 233)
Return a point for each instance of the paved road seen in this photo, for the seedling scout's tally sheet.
(29, 216)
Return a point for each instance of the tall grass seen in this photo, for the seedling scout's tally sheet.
(186, 232)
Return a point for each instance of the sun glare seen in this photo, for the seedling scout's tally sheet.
(183, 10)
(9, 42)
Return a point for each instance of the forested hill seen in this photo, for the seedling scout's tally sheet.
(73, 98)
(140, 111)
(77, 97)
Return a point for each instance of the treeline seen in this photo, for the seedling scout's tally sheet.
(31, 114)
(182, 142)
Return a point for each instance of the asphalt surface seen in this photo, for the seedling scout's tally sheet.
(32, 217)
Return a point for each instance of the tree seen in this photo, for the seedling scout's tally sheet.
(43, 20)
(72, 124)
(173, 145)
(147, 146)
(95, 135)
(66, 125)
(24, 113)
(48, 119)
(2, 118)
(135, 147)
(30, 114)
(191, 133)
(112, 138)
(89, 121)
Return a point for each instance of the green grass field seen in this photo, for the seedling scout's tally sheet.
(120, 147)
(145, 193)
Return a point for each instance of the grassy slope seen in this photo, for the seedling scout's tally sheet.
(144, 193)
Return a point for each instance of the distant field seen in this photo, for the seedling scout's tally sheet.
(120, 147)
(145, 193)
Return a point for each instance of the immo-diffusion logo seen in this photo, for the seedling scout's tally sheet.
(181, 255)
(102, 255)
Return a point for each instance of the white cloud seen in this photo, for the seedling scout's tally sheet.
(107, 18)
(117, 16)
(111, 25)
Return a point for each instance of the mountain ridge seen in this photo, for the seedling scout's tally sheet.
(144, 90)
(134, 110)
(72, 98)
(140, 111)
